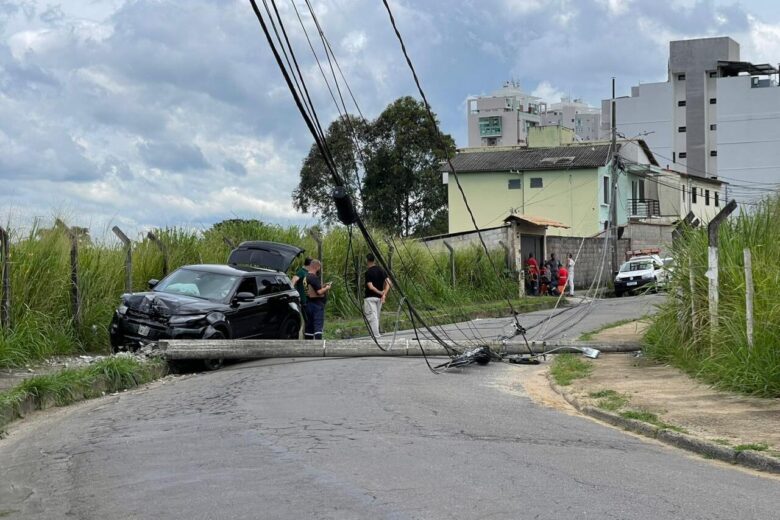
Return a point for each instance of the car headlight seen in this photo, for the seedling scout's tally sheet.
(183, 321)
(121, 310)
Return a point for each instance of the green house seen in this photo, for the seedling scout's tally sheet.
(568, 184)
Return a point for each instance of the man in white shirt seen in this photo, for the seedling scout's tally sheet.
(570, 279)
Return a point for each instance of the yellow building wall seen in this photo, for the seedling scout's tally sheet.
(550, 135)
(567, 196)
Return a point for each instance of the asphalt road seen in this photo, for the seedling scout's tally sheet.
(354, 438)
(566, 322)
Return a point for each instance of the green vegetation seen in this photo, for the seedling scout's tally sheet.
(650, 418)
(43, 324)
(753, 446)
(69, 385)
(724, 358)
(588, 336)
(568, 367)
(609, 400)
(399, 152)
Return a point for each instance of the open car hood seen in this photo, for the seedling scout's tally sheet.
(270, 255)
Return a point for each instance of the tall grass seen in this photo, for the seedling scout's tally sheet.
(40, 279)
(682, 337)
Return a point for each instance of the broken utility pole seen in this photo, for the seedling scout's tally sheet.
(613, 227)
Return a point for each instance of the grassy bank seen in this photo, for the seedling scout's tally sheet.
(680, 333)
(43, 323)
(61, 388)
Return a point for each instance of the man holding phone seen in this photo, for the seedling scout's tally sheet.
(317, 297)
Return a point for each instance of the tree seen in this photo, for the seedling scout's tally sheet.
(315, 186)
(403, 192)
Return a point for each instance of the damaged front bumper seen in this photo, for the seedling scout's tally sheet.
(127, 335)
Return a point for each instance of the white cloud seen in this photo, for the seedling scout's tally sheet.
(548, 92)
(764, 42)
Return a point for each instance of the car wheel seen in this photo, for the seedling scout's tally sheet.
(214, 364)
(289, 329)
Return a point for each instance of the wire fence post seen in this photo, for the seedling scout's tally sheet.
(691, 281)
(128, 257)
(151, 236)
(390, 251)
(712, 265)
(75, 293)
(5, 286)
(748, 296)
(315, 234)
(452, 260)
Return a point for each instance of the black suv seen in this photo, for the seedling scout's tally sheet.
(252, 297)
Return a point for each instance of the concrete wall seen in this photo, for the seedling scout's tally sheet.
(648, 113)
(696, 59)
(590, 257)
(645, 235)
(588, 261)
(567, 196)
(549, 136)
(748, 137)
(491, 237)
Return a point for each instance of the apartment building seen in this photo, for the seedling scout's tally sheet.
(715, 115)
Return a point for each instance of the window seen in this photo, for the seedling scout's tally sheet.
(270, 284)
(693, 194)
(248, 285)
(536, 182)
(515, 184)
(713, 127)
(681, 103)
(683, 155)
(681, 77)
(606, 190)
(681, 129)
(717, 199)
(706, 197)
(713, 100)
(683, 191)
(713, 153)
(713, 74)
(490, 126)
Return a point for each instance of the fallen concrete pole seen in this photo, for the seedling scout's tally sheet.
(270, 348)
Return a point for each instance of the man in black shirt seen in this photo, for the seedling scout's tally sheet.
(376, 288)
(317, 297)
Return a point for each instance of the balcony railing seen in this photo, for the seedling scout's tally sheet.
(644, 208)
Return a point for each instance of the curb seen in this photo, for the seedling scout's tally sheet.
(748, 458)
(11, 412)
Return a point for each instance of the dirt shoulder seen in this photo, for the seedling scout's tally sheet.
(626, 383)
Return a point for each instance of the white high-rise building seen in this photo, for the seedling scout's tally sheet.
(714, 116)
(577, 115)
(503, 118)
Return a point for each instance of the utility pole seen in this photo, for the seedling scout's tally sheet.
(613, 228)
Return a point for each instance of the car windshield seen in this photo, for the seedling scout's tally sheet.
(643, 265)
(200, 284)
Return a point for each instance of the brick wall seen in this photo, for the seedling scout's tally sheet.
(589, 259)
(650, 236)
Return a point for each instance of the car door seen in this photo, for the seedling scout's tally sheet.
(246, 316)
(276, 290)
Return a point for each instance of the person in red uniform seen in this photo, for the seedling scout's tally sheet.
(563, 277)
(533, 274)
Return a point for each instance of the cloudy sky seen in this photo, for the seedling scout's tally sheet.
(161, 112)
